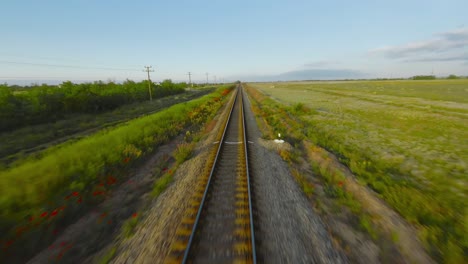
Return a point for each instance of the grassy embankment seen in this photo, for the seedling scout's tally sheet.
(404, 139)
(42, 194)
(20, 143)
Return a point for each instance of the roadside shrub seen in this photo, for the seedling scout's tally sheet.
(183, 152)
(365, 224)
(285, 155)
(129, 226)
(334, 191)
(299, 109)
(108, 256)
(161, 184)
(307, 187)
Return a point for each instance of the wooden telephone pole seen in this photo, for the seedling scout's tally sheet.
(148, 70)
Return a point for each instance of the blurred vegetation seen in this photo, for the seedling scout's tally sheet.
(424, 77)
(108, 256)
(25, 141)
(34, 188)
(183, 152)
(128, 226)
(161, 183)
(406, 140)
(24, 106)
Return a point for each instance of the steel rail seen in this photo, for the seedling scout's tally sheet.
(254, 254)
(212, 172)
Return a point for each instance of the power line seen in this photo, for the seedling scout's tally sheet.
(65, 66)
(147, 69)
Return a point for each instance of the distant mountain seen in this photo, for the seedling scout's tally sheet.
(309, 74)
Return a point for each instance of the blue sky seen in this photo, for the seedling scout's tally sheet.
(247, 40)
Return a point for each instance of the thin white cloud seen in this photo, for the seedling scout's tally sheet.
(454, 41)
(456, 35)
(321, 64)
(458, 57)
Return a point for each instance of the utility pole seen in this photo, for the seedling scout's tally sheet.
(190, 79)
(148, 70)
(215, 79)
(207, 82)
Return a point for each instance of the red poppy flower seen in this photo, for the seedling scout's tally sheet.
(111, 180)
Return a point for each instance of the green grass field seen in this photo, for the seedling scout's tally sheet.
(407, 140)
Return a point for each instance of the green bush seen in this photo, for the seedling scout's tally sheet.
(161, 184)
(108, 256)
(424, 77)
(183, 152)
(365, 224)
(299, 109)
(129, 226)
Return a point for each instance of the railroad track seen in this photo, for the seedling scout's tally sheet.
(218, 225)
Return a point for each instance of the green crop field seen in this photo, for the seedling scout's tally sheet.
(407, 140)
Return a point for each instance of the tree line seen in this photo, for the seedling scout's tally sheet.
(36, 104)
